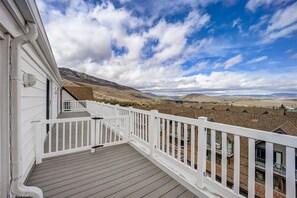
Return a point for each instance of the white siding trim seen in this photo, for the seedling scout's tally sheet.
(4, 117)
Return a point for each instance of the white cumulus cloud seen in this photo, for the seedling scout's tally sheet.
(282, 24)
(254, 4)
(108, 42)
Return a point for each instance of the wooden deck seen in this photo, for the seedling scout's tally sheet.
(116, 171)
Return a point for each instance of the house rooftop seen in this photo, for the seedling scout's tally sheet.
(80, 93)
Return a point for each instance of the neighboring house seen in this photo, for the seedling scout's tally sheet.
(77, 93)
(30, 86)
(279, 156)
(69, 94)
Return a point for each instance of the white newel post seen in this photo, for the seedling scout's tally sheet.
(109, 110)
(201, 158)
(38, 142)
(93, 137)
(117, 114)
(117, 111)
(130, 122)
(153, 132)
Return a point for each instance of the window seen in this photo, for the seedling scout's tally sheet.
(260, 153)
(277, 157)
(208, 139)
(260, 176)
(208, 155)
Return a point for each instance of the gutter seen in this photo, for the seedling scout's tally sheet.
(18, 189)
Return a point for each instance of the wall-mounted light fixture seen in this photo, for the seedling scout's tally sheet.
(29, 80)
(56, 91)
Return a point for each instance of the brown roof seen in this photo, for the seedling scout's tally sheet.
(80, 93)
(289, 128)
(264, 122)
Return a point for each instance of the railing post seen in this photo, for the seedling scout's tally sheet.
(201, 161)
(153, 132)
(93, 136)
(109, 112)
(117, 111)
(117, 114)
(131, 124)
(38, 142)
(86, 103)
(75, 105)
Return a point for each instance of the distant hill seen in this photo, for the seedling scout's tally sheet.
(199, 98)
(103, 89)
(264, 96)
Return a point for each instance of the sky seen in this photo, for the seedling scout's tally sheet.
(176, 47)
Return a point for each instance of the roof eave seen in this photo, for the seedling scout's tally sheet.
(30, 13)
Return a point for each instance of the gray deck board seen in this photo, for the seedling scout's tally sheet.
(116, 171)
(78, 186)
(86, 179)
(178, 190)
(84, 166)
(187, 194)
(162, 189)
(149, 188)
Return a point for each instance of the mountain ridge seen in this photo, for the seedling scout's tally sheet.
(103, 89)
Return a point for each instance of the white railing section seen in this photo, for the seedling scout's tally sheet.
(140, 126)
(178, 143)
(62, 136)
(74, 105)
(111, 130)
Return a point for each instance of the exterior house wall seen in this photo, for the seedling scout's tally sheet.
(4, 115)
(33, 102)
(66, 96)
(278, 148)
(37, 59)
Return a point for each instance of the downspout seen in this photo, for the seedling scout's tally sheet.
(18, 189)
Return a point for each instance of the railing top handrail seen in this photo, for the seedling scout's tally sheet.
(112, 117)
(261, 135)
(140, 111)
(60, 120)
(178, 118)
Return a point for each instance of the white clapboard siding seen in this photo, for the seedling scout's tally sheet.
(33, 105)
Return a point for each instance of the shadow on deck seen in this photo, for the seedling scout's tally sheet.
(74, 114)
(116, 171)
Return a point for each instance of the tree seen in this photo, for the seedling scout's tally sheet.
(282, 106)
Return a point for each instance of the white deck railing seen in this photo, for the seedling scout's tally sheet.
(180, 144)
(74, 105)
(68, 135)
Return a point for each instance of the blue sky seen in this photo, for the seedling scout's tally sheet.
(178, 47)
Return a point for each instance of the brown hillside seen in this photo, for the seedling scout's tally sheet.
(102, 89)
